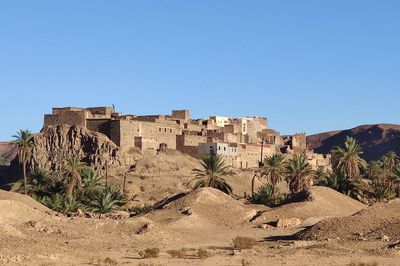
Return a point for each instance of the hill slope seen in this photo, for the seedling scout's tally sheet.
(376, 140)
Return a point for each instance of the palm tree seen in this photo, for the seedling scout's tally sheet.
(299, 173)
(374, 170)
(268, 195)
(390, 160)
(348, 158)
(273, 170)
(40, 183)
(24, 142)
(337, 180)
(212, 174)
(74, 167)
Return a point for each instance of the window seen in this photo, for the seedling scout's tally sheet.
(165, 130)
(159, 129)
(219, 148)
(170, 130)
(224, 148)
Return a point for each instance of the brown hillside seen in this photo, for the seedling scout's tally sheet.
(376, 140)
(7, 151)
(372, 223)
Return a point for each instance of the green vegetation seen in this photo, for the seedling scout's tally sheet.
(212, 174)
(351, 175)
(74, 167)
(348, 158)
(298, 174)
(273, 170)
(268, 195)
(107, 200)
(90, 195)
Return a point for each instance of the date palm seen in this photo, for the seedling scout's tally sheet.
(299, 173)
(24, 142)
(212, 174)
(74, 166)
(273, 170)
(390, 160)
(348, 158)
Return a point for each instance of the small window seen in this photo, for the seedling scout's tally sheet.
(224, 148)
(159, 129)
(170, 130)
(219, 148)
(137, 130)
(165, 130)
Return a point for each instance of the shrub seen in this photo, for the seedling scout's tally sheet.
(2, 160)
(107, 200)
(110, 262)
(177, 253)
(70, 204)
(382, 192)
(267, 195)
(203, 254)
(363, 264)
(242, 242)
(149, 253)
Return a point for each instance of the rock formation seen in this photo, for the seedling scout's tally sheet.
(55, 143)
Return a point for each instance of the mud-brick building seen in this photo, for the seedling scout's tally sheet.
(143, 132)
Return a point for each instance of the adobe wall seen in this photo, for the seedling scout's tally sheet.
(299, 143)
(250, 154)
(152, 133)
(189, 144)
(102, 111)
(59, 110)
(99, 125)
(180, 115)
(66, 117)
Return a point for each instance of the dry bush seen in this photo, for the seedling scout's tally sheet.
(242, 242)
(148, 264)
(109, 262)
(203, 254)
(149, 253)
(177, 253)
(364, 264)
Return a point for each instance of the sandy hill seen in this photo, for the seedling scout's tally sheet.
(16, 209)
(376, 140)
(202, 208)
(324, 202)
(371, 223)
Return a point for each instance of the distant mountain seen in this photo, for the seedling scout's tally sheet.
(376, 140)
(7, 151)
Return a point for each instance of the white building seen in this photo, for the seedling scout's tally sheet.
(217, 148)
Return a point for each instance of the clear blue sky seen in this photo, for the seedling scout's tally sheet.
(306, 65)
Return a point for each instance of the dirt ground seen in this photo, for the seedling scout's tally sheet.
(205, 219)
(33, 235)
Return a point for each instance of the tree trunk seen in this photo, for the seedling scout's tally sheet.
(253, 180)
(25, 178)
(106, 174)
(124, 185)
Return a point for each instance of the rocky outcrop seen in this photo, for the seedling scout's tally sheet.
(55, 143)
